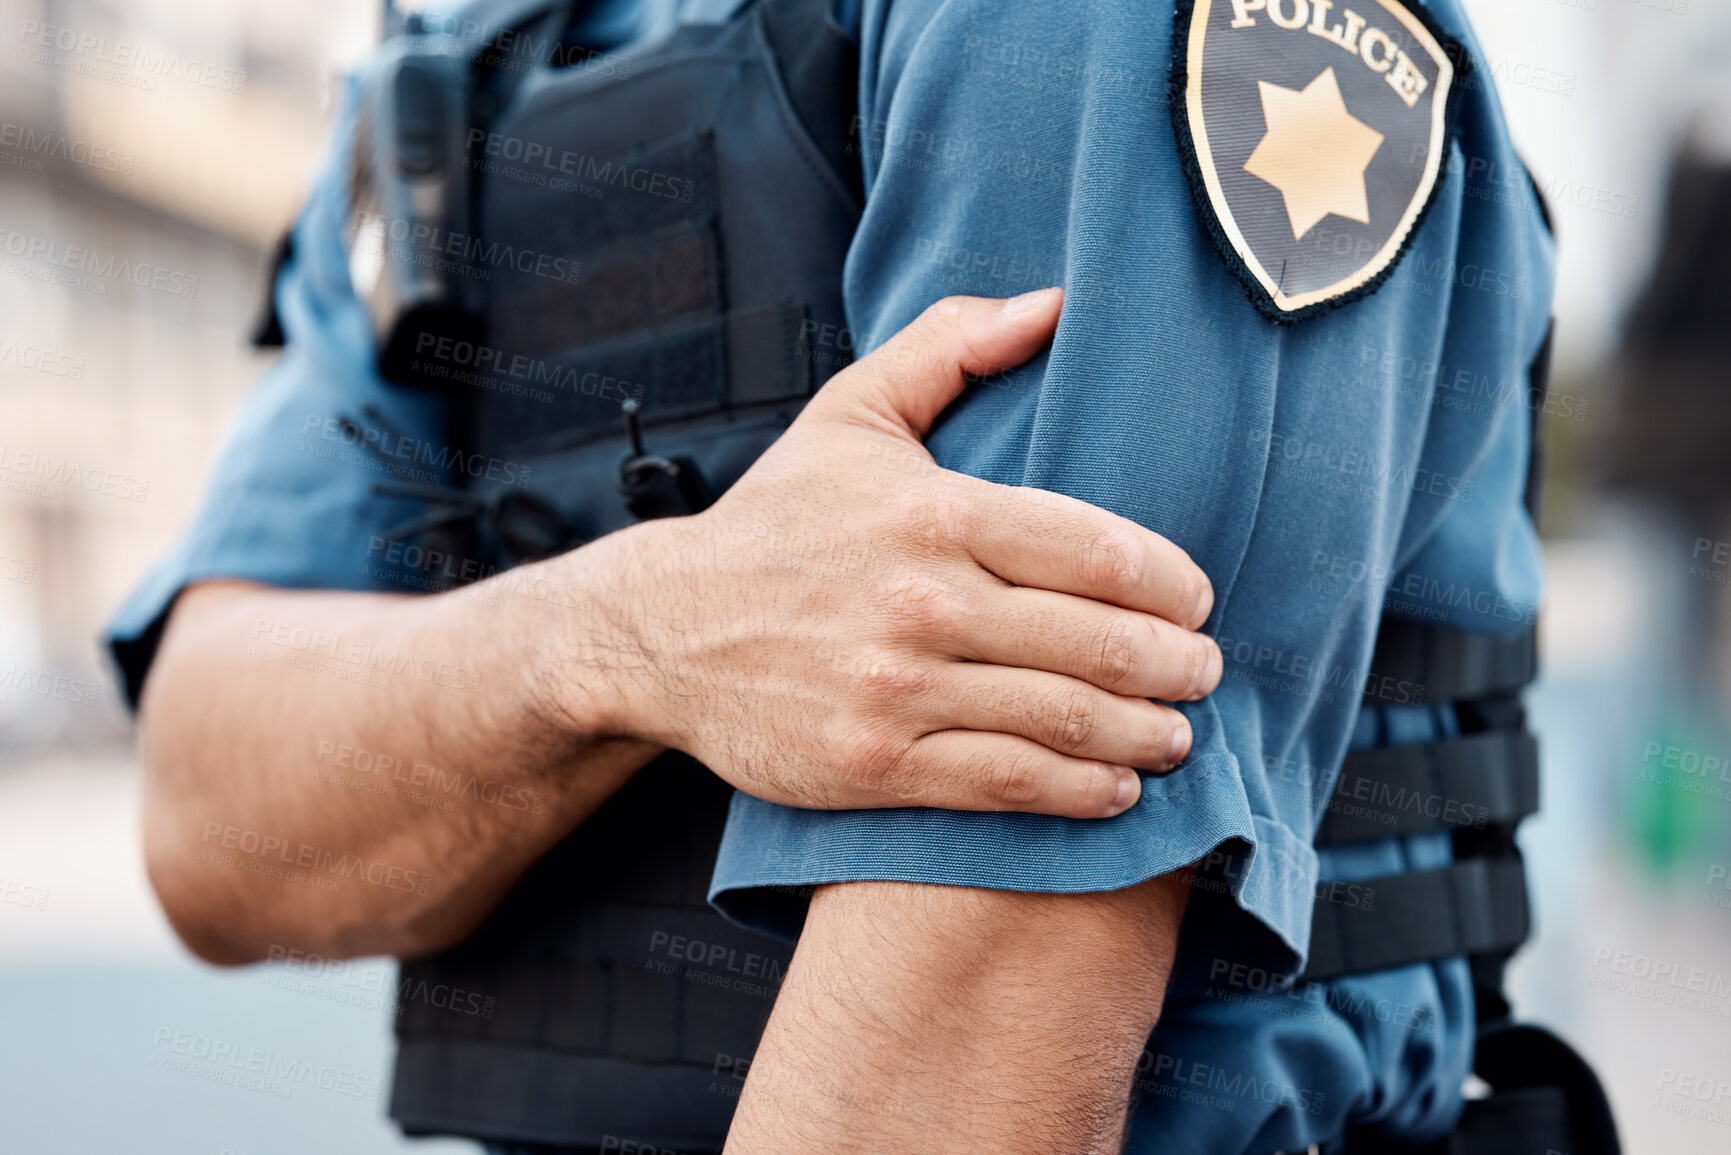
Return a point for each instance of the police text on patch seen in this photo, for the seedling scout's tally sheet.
(1372, 45)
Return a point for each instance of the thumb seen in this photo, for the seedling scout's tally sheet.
(911, 378)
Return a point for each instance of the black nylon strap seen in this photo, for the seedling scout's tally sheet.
(593, 201)
(1489, 779)
(654, 281)
(677, 371)
(1431, 663)
(1475, 906)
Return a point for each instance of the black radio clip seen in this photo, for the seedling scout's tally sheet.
(408, 225)
(412, 248)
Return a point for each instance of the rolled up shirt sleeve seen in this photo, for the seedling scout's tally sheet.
(291, 501)
(1012, 146)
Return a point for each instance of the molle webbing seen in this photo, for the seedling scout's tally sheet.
(1473, 781)
(1445, 665)
(677, 240)
(1475, 906)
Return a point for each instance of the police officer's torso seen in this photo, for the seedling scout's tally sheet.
(675, 219)
(678, 214)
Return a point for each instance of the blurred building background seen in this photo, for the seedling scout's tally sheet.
(178, 136)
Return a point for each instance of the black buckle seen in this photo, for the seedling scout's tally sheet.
(655, 486)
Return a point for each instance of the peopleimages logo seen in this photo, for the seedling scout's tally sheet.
(1175, 1077)
(40, 359)
(273, 639)
(1376, 474)
(36, 144)
(471, 256)
(61, 686)
(305, 855)
(342, 981)
(414, 451)
(49, 475)
(87, 261)
(22, 894)
(540, 159)
(418, 774)
(79, 51)
(447, 355)
(228, 1063)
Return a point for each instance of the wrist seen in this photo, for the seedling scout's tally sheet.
(589, 670)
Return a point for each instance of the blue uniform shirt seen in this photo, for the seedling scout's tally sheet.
(1009, 146)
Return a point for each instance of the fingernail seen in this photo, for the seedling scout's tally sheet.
(1129, 789)
(1211, 676)
(1029, 301)
(1180, 744)
(1204, 605)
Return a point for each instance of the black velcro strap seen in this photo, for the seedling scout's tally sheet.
(1475, 906)
(768, 355)
(1489, 779)
(577, 203)
(634, 288)
(681, 370)
(1431, 663)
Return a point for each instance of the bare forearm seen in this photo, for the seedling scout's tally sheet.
(365, 773)
(820, 636)
(950, 1019)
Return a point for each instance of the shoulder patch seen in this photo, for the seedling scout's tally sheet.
(1314, 137)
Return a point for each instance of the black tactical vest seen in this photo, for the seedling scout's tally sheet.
(677, 216)
(702, 190)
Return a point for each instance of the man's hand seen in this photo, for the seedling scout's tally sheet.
(851, 626)
(949, 1019)
(834, 632)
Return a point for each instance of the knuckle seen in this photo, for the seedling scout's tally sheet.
(887, 679)
(972, 359)
(922, 602)
(937, 521)
(1013, 781)
(1110, 561)
(933, 329)
(871, 756)
(1075, 723)
(1117, 656)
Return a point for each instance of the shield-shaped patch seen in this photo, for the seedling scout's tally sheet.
(1315, 137)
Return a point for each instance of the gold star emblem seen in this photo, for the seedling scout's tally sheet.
(1315, 152)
